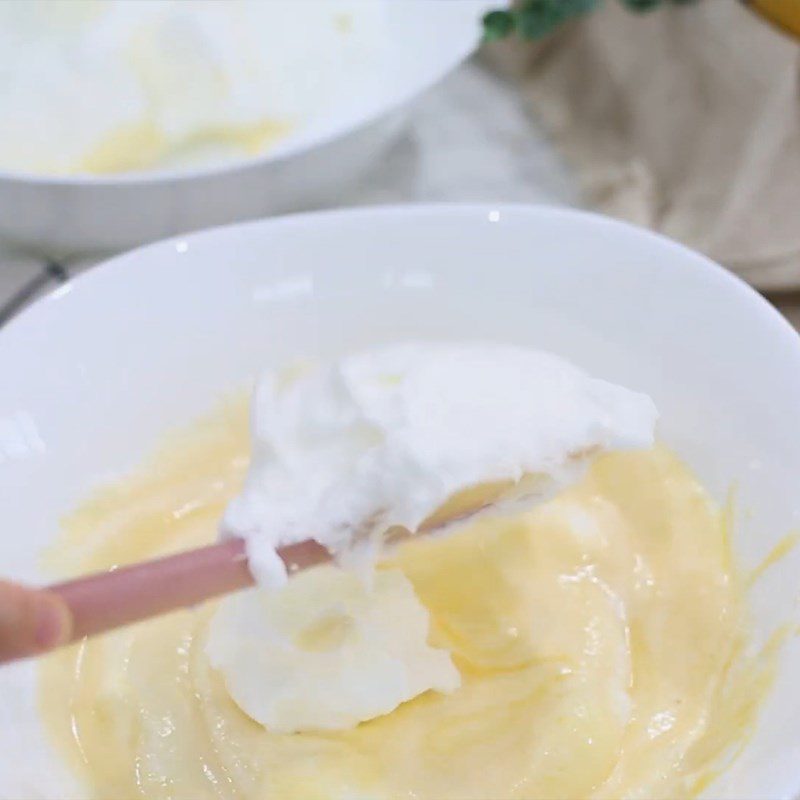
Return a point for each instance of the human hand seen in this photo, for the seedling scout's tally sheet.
(32, 621)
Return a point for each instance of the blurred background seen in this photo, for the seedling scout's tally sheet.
(128, 121)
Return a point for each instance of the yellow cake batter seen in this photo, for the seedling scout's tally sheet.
(599, 639)
(143, 146)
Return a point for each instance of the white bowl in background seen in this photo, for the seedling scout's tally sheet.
(97, 372)
(61, 217)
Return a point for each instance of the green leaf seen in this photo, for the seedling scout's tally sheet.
(584, 6)
(497, 25)
(534, 19)
(537, 18)
(641, 5)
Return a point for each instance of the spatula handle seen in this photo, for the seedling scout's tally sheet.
(129, 594)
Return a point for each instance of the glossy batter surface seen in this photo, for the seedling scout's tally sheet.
(599, 640)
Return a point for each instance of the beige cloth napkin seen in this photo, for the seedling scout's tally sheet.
(686, 120)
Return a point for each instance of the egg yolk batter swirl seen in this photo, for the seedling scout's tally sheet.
(599, 639)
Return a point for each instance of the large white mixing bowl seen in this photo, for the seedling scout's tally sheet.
(95, 374)
(66, 216)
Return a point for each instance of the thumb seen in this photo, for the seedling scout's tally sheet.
(32, 621)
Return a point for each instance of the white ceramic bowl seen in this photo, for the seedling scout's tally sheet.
(66, 216)
(94, 374)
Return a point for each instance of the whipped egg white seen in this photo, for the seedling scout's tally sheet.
(344, 452)
(385, 438)
(328, 651)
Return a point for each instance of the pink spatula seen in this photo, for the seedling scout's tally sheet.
(129, 594)
(120, 596)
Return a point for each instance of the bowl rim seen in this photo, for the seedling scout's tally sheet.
(492, 212)
(458, 50)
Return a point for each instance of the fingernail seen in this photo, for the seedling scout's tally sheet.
(52, 623)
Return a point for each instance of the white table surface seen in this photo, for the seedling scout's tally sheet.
(468, 139)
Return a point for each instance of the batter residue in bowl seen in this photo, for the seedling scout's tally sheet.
(111, 87)
(599, 639)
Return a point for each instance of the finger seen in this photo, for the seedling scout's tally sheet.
(32, 621)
